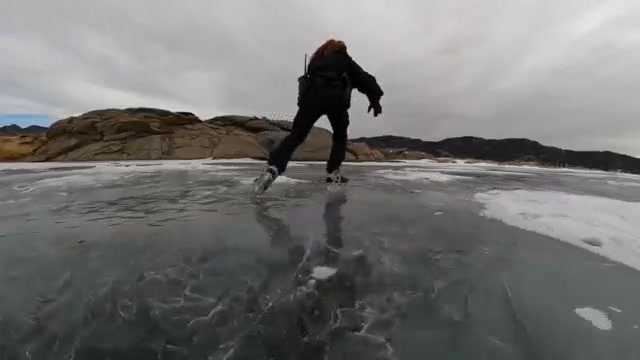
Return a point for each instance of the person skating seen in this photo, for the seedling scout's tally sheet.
(325, 89)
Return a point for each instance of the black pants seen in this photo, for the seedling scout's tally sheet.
(309, 111)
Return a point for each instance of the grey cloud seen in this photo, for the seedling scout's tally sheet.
(562, 72)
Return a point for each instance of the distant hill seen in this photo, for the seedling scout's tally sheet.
(504, 150)
(14, 129)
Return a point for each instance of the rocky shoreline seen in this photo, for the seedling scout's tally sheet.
(519, 151)
(156, 134)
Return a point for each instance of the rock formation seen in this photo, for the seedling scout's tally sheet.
(152, 134)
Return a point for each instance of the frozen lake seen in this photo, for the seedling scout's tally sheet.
(413, 260)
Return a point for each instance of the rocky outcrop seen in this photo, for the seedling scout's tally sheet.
(152, 134)
(404, 154)
(511, 150)
(363, 152)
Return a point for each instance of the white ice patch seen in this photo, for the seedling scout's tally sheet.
(323, 272)
(623, 183)
(287, 180)
(419, 174)
(279, 180)
(576, 219)
(70, 181)
(596, 317)
(14, 201)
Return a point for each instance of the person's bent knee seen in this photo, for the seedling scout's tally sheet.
(296, 139)
(339, 137)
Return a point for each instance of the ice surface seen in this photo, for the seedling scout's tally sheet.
(107, 173)
(392, 163)
(597, 318)
(250, 161)
(623, 183)
(234, 161)
(571, 218)
(142, 165)
(419, 174)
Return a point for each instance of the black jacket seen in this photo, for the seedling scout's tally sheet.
(336, 74)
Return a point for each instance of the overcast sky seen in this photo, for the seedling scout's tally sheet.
(563, 72)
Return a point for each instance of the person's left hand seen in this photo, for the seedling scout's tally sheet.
(375, 106)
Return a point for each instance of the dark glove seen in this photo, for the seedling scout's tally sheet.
(375, 105)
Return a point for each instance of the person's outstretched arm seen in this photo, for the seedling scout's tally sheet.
(362, 80)
(364, 83)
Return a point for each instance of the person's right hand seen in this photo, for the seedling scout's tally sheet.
(375, 106)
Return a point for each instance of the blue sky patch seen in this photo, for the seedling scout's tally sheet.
(25, 119)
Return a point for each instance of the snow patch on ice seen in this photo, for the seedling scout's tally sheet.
(596, 317)
(571, 218)
(419, 174)
(288, 180)
(323, 272)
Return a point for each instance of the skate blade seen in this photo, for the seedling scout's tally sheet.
(260, 185)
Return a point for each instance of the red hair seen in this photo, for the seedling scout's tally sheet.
(328, 47)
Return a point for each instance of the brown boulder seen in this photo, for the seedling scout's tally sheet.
(127, 134)
(109, 122)
(316, 146)
(362, 152)
(53, 149)
(251, 124)
(238, 146)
